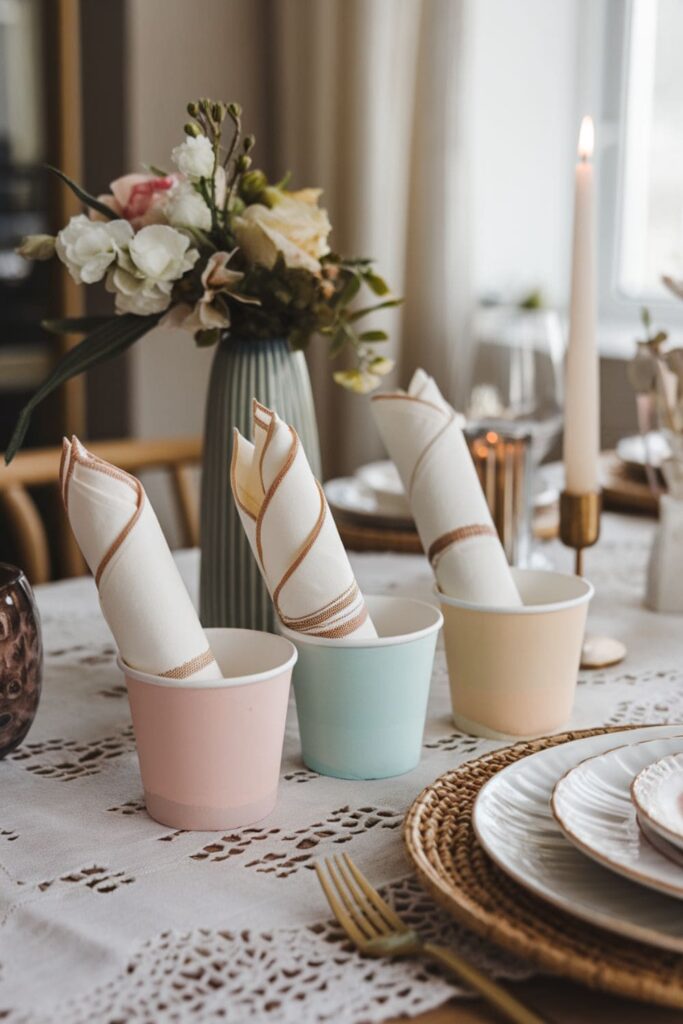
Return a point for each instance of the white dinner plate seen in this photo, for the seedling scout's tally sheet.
(593, 807)
(633, 451)
(383, 480)
(350, 495)
(657, 793)
(514, 823)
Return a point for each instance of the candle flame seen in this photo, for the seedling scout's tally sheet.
(492, 437)
(586, 138)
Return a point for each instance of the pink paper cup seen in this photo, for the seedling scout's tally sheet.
(210, 751)
(513, 671)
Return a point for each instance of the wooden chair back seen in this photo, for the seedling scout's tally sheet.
(39, 467)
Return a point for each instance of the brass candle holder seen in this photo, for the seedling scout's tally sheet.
(580, 529)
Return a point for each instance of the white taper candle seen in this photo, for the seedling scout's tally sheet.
(582, 391)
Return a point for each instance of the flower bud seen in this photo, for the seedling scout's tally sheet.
(249, 143)
(192, 129)
(204, 105)
(218, 112)
(244, 163)
(193, 109)
(37, 247)
(253, 183)
(235, 110)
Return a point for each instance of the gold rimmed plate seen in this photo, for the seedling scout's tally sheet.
(592, 805)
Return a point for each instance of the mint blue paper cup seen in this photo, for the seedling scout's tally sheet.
(362, 703)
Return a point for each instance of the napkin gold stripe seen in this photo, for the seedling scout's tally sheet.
(347, 627)
(331, 609)
(446, 540)
(188, 668)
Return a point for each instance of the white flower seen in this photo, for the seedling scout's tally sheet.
(88, 248)
(184, 207)
(160, 253)
(136, 294)
(194, 157)
(294, 225)
(381, 365)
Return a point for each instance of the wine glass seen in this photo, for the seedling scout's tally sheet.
(518, 373)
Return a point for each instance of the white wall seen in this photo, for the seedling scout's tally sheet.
(524, 128)
(177, 51)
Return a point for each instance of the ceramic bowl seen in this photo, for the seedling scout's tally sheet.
(657, 792)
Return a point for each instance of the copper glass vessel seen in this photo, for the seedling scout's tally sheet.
(21, 657)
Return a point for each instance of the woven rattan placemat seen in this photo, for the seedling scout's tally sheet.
(452, 865)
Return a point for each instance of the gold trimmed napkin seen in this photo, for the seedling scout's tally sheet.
(292, 533)
(423, 436)
(142, 595)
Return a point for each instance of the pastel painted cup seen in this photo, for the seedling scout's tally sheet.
(362, 704)
(513, 671)
(210, 751)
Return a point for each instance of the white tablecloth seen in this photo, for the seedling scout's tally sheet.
(107, 916)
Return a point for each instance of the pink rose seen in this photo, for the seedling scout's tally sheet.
(137, 197)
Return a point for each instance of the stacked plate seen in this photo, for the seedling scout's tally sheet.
(595, 827)
(637, 452)
(374, 495)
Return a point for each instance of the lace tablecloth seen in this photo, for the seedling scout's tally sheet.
(109, 917)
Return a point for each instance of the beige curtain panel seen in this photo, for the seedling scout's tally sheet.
(369, 104)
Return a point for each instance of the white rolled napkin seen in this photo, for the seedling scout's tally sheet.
(423, 436)
(142, 595)
(292, 533)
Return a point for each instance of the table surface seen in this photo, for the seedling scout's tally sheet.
(106, 915)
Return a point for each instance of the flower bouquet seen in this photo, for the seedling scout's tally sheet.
(215, 249)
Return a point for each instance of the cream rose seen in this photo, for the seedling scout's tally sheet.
(294, 225)
(88, 248)
(195, 157)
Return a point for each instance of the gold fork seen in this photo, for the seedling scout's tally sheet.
(377, 930)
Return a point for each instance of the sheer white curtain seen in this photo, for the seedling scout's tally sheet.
(370, 104)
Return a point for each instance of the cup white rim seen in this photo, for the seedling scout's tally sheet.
(216, 684)
(372, 643)
(548, 607)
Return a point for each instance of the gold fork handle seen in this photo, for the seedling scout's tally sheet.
(489, 990)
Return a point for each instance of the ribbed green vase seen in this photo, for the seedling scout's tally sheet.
(232, 591)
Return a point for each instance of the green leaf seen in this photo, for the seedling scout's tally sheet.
(84, 196)
(113, 337)
(284, 180)
(349, 291)
(339, 339)
(75, 324)
(371, 309)
(376, 283)
(374, 336)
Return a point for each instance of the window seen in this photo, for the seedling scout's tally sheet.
(650, 196)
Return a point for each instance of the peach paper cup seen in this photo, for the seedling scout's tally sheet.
(513, 671)
(210, 751)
